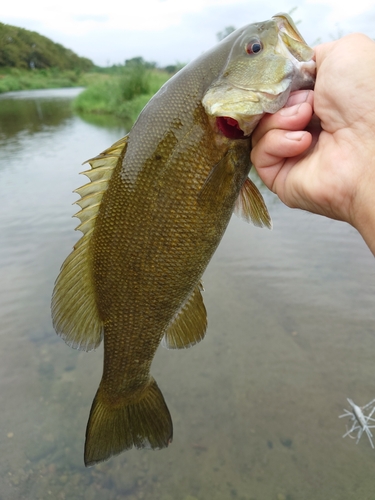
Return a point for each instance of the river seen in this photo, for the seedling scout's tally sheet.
(255, 405)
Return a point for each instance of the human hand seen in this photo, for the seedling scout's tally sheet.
(329, 167)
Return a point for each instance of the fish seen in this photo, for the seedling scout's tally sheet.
(155, 208)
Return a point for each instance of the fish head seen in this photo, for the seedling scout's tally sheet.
(267, 61)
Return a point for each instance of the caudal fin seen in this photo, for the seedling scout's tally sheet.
(112, 429)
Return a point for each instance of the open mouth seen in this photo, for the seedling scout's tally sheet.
(287, 26)
(292, 40)
(230, 127)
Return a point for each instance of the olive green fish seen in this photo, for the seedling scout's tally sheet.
(152, 215)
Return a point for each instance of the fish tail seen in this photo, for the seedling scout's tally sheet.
(113, 428)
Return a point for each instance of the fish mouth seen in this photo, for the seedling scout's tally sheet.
(238, 129)
(236, 105)
(242, 128)
(292, 38)
(293, 46)
(230, 127)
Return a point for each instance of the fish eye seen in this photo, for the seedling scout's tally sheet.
(254, 47)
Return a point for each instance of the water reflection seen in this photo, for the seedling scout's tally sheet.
(255, 406)
(33, 111)
(105, 121)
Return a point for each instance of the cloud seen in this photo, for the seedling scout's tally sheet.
(166, 31)
(343, 11)
(89, 17)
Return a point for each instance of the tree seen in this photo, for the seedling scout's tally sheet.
(226, 31)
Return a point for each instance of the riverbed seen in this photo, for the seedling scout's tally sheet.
(255, 405)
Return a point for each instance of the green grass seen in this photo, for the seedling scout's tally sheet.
(122, 95)
(121, 92)
(12, 79)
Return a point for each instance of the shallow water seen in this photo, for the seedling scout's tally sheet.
(255, 405)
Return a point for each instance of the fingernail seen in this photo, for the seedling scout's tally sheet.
(290, 111)
(297, 98)
(295, 136)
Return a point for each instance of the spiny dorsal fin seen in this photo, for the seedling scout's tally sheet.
(189, 325)
(74, 312)
(250, 206)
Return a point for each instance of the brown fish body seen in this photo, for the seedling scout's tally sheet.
(161, 235)
(152, 216)
(164, 244)
(144, 277)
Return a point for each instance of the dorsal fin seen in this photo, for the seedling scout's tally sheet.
(250, 205)
(74, 312)
(189, 325)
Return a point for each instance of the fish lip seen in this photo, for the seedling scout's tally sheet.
(293, 46)
(292, 38)
(286, 25)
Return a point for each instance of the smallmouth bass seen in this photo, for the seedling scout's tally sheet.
(155, 209)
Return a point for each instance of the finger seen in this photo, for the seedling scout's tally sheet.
(292, 117)
(300, 96)
(322, 51)
(277, 145)
(276, 154)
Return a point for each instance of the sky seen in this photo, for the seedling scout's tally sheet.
(174, 31)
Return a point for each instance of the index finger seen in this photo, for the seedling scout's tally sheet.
(291, 117)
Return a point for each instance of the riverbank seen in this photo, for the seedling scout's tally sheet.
(123, 94)
(120, 91)
(13, 79)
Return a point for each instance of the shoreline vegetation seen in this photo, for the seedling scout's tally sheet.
(122, 91)
(14, 79)
(30, 61)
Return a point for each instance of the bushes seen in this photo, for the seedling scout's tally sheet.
(124, 94)
(17, 79)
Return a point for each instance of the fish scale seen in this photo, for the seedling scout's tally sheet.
(155, 209)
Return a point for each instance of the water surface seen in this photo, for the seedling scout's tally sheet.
(255, 406)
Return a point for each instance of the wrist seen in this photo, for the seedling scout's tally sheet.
(363, 216)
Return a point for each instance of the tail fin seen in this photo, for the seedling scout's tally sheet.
(112, 429)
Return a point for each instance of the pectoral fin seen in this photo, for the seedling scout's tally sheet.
(250, 206)
(216, 184)
(189, 325)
